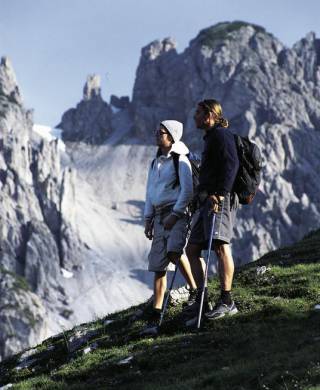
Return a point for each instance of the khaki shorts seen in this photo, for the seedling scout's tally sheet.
(224, 222)
(165, 241)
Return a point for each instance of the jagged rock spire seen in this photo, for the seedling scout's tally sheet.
(90, 121)
(92, 87)
(156, 48)
(8, 81)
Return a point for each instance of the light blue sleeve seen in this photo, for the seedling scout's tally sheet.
(148, 208)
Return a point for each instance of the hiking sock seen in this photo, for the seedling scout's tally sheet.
(226, 297)
(156, 312)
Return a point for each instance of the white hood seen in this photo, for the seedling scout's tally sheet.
(179, 147)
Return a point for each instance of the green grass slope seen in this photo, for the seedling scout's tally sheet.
(273, 343)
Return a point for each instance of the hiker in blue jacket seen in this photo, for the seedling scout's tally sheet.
(219, 167)
(165, 214)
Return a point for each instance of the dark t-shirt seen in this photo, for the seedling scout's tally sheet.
(219, 163)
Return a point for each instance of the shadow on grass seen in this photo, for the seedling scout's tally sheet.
(273, 343)
(273, 348)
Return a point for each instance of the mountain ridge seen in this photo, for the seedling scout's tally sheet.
(267, 92)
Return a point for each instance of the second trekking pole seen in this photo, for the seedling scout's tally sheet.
(206, 269)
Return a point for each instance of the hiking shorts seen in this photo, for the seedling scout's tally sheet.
(224, 222)
(165, 241)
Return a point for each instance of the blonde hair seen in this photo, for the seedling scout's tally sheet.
(213, 106)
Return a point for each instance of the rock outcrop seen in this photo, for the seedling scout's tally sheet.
(90, 121)
(35, 235)
(22, 315)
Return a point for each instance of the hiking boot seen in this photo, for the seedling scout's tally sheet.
(191, 317)
(142, 312)
(192, 298)
(193, 309)
(153, 323)
(221, 310)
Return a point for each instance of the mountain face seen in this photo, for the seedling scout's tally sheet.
(269, 92)
(36, 238)
(71, 237)
(66, 254)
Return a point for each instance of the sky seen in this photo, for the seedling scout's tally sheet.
(55, 44)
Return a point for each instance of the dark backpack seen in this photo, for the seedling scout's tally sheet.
(249, 174)
(195, 163)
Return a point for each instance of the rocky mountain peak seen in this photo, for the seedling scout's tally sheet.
(308, 51)
(90, 121)
(92, 87)
(309, 43)
(8, 81)
(157, 48)
(217, 33)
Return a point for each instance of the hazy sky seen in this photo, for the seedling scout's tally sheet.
(55, 44)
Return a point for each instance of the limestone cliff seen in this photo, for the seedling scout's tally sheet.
(35, 236)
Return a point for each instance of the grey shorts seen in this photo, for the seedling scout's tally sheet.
(224, 222)
(165, 241)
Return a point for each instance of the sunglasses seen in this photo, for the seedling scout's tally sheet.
(161, 132)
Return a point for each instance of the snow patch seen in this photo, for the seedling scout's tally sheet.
(50, 134)
(114, 109)
(66, 274)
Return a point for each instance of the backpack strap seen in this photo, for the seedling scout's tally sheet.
(175, 158)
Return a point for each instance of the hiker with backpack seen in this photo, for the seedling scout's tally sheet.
(218, 171)
(169, 192)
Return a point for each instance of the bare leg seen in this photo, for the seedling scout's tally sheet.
(226, 264)
(160, 285)
(184, 267)
(196, 262)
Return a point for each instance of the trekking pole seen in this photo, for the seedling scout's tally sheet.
(168, 295)
(206, 270)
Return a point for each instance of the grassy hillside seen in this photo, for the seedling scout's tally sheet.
(273, 343)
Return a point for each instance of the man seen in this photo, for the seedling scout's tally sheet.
(219, 167)
(166, 218)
